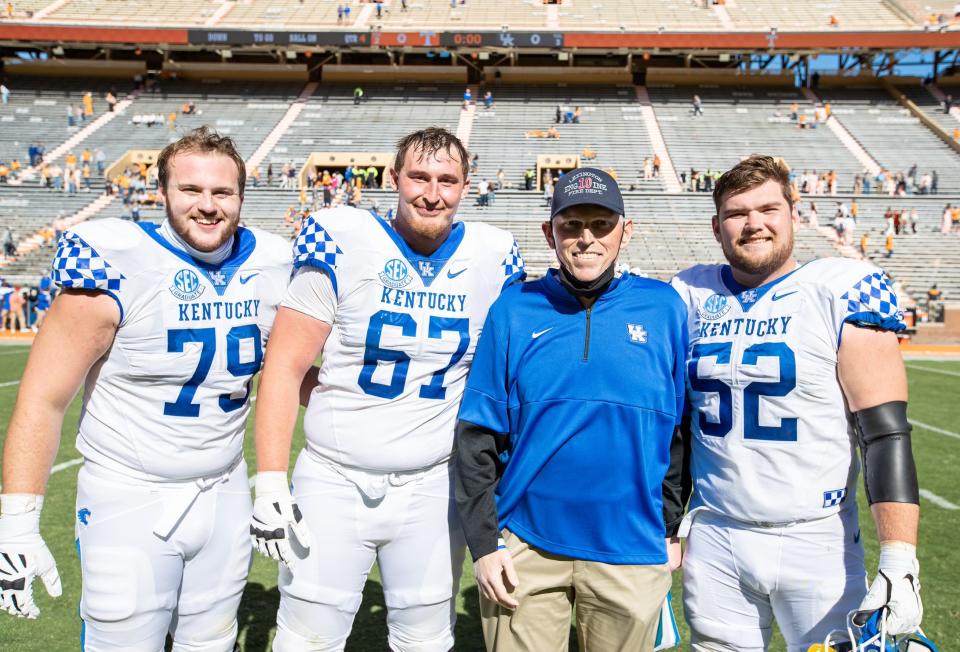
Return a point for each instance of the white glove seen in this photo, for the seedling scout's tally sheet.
(24, 555)
(895, 588)
(276, 518)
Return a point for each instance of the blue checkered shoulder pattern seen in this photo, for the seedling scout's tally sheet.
(871, 302)
(314, 247)
(512, 265)
(77, 265)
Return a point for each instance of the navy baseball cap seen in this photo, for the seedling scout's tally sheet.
(586, 186)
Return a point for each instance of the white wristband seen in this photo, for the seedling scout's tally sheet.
(898, 558)
(16, 504)
(272, 482)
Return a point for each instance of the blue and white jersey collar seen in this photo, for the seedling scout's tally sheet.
(244, 243)
(427, 267)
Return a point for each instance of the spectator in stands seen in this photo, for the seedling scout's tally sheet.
(474, 164)
(794, 111)
(488, 100)
(866, 182)
(111, 100)
(857, 184)
(934, 182)
(87, 105)
(101, 160)
(947, 103)
(467, 97)
(370, 179)
(577, 112)
(403, 6)
(9, 244)
(285, 176)
(17, 316)
(188, 108)
(339, 14)
(4, 92)
(482, 193)
(914, 218)
(647, 170)
(357, 92)
(553, 133)
(529, 177)
(269, 174)
(697, 108)
(327, 195)
(85, 175)
(934, 305)
(888, 246)
(802, 121)
(71, 116)
(813, 219)
(548, 190)
(501, 179)
(656, 165)
(559, 117)
(379, 9)
(864, 244)
(346, 13)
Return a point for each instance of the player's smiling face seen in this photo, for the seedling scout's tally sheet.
(430, 189)
(203, 198)
(587, 239)
(755, 229)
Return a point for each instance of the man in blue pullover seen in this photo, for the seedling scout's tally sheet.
(567, 430)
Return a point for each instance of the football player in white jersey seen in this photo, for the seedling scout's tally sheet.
(396, 310)
(790, 368)
(165, 326)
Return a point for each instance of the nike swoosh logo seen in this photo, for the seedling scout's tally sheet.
(452, 274)
(537, 334)
(777, 297)
(244, 279)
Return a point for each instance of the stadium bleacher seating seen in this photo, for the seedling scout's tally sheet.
(738, 122)
(330, 122)
(611, 126)
(892, 135)
(861, 14)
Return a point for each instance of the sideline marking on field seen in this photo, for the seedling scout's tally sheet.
(79, 460)
(925, 426)
(932, 370)
(16, 352)
(10, 383)
(937, 500)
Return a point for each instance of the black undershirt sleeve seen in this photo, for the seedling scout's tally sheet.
(677, 484)
(478, 470)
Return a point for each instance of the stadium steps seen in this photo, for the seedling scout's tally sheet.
(89, 130)
(852, 144)
(282, 126)
(219, 14)
(720, 11)
(667, 171)
(34, 251)
(50, 8)
(465, 124)
(940, 96)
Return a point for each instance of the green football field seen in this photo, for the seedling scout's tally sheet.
(934, 388)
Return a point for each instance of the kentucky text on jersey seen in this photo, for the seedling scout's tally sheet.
(219, 310)
(421, 298)
(758, 327)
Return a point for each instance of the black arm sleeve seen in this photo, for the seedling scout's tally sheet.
(478, 470)
(677, 483)
(889, 472)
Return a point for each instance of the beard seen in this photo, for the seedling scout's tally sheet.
(759, 265)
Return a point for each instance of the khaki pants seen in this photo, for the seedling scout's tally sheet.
(618, 606)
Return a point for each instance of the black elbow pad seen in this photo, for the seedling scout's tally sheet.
(889, 472)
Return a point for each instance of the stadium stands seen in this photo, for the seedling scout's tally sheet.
(611, 126)
(892, 135)
(738, 122)
(106, 12)
(848, 14)
(331, 122)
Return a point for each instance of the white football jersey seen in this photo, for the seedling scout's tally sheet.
(773, 441)
(169, 399)
(404, 334)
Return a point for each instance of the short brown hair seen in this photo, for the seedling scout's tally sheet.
(749, 173)
(430, 141)
(205, 141)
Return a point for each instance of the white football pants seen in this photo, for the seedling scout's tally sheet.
(738, 577)
(405, 521)
(139, 585)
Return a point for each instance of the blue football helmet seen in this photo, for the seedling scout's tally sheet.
(872, 637)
